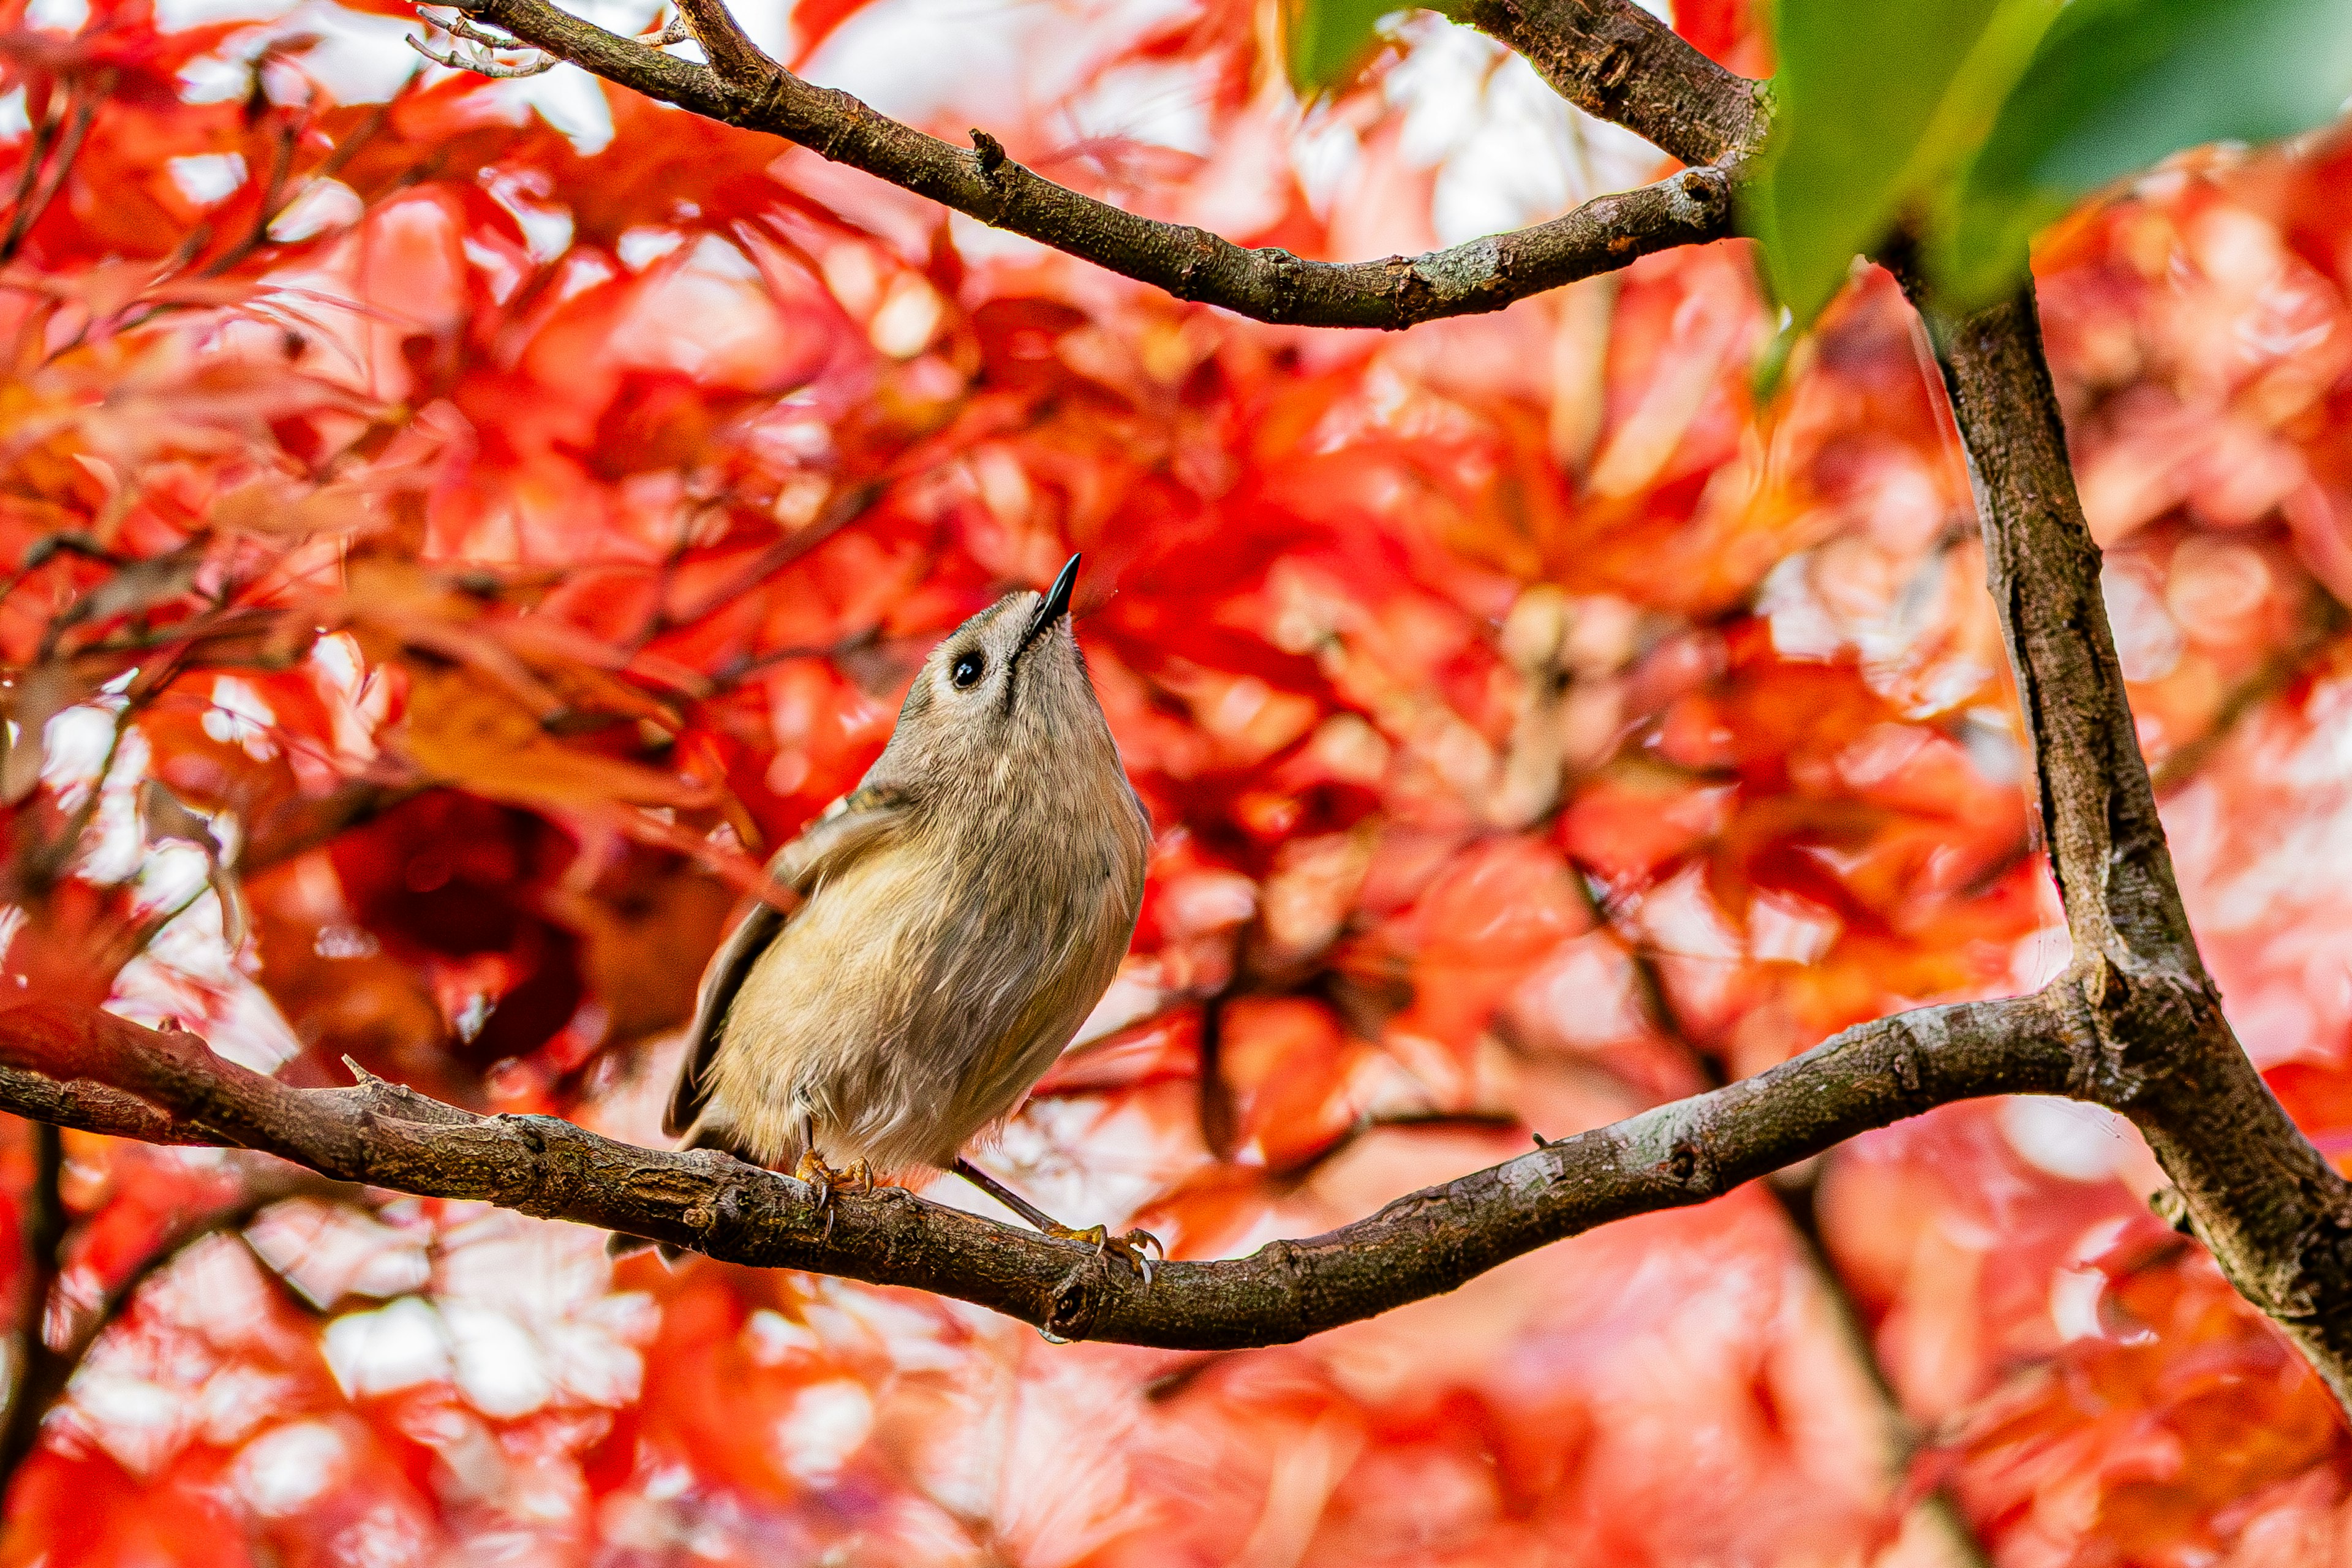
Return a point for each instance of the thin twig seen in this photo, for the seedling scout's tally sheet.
(482, 66)
(2315, 644)
(35, 1398)
(87, 99)
(1796, 1204)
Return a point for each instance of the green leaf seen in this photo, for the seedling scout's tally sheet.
(1328, 41)
(2117, 85)
(1878, 103)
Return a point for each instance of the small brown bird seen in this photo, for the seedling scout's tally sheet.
(962, 911)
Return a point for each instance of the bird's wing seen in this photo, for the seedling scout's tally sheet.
(850, 827)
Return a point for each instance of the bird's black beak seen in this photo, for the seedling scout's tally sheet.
(1057, 605)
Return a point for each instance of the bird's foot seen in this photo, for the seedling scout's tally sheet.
(812, 1169)
(1130, 1248)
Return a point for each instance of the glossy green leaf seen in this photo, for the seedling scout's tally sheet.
(2118, 85)
(1873, 101)
(1328, 41)
(1879, 102)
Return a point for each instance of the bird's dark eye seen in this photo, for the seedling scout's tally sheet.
(969, 668)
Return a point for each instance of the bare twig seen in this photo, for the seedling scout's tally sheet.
(484, 67)
(32, 205)
(270, 207)
(486, 64)
(2312, 646)
(29, 171)
(33, 1397)
(1942, 1509)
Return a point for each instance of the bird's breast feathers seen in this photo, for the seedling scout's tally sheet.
(927, 982)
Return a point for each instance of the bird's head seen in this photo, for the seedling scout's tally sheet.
(1002, 697)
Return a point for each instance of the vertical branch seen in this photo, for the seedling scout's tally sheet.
(40, 1371)
(2152, 1042)
(2099, 807)
(29, 174)
(1940, 1508)
(55, 1349)
(1215, 1107)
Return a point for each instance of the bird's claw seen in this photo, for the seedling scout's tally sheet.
(812, 1170)
(1129, 1247)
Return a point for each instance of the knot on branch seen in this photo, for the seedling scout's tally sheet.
(2171, 1205)
(1613, 70)
(1199, 246)
(1909, 1073)
(2148, 1025)
(990, 151)
(1283, 274)
(844, 117)
(718, 1218)
(559, 1168)
(1411, 291)
(1076, 1302)
(532, 1139)
(1707, 189)
(1692, 1166)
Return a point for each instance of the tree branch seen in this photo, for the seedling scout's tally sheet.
(2275, 1213)
(738, 60)
(2135, 1022)
(41, 1370)
(96, 1072)
(1269, 285)
(1617, 62)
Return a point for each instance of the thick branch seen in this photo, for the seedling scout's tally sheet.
(1617, 62)
(1423, 1245)
(1270, 285)
(2276, 1215)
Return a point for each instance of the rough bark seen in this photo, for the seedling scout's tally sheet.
(1617, 62)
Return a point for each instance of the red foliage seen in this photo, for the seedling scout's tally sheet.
(442, 560)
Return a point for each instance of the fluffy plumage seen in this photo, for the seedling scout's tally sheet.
(963, 911)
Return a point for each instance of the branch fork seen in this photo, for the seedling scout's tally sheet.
(535, 63)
